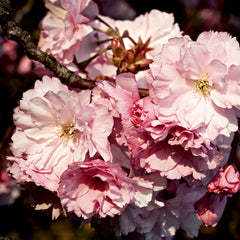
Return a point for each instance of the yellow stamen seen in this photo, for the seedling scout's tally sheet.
(203, 85)
(67, 131)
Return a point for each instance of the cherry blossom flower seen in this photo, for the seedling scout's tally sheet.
(226, 182)
(209, 208)
(95, 188)
(54, 127)
(149, 165)
(147, 187)
(150, 143)
(64, 27)
(197, 84)
(145, 205)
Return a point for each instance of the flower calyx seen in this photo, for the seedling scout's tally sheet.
(131, 60)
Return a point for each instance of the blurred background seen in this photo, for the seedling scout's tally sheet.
(19, 220)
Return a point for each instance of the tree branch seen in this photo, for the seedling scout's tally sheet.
(23, 38)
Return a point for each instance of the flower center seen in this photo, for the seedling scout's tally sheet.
(67, 131)
(203, 85)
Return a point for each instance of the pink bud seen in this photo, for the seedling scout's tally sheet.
(226, 182)
(209, 208)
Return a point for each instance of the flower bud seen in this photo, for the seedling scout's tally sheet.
(209, 208)
(118, 48)
(226, 182)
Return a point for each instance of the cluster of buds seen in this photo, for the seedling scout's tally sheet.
(131, 60)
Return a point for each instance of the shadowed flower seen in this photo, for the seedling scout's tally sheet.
(209, 208)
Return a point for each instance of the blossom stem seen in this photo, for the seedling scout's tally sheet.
(131, 39)
(83, 65)
(105, 23)
(104, 41)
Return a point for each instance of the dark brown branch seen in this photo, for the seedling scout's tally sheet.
(23, 38)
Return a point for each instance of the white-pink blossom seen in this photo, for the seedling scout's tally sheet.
(64, 27)
(56, 126)
(95, 188)
(140, 220)
(197, 83)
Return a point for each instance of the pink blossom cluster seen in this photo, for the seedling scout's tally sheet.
(148, 165)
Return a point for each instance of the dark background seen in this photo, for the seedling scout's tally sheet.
(20, 221)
